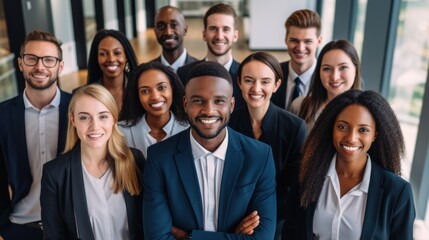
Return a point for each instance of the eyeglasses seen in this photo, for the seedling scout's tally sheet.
(32, 60)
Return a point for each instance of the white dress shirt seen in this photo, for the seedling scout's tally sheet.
(305, 78)
(336, 217)
(209, 167)
(180, 61)
(41, 133)
(107, 211)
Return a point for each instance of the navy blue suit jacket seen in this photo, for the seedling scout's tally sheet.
(14, 165)
(63, 201)
(173, 198)
(389, 213)
(279, 97)
(183, 73)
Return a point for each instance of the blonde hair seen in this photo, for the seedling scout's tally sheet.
(119, 155)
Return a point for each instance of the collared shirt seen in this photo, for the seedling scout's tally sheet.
(41, 133)
(107, 211)
(209, 167)
(227, 65)
(180, 61)
(141, 139)
(338, 217)
(305, 78)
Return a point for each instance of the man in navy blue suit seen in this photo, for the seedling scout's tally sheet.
(32, 132)
(202, 182)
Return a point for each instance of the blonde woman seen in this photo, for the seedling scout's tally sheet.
(93, 191)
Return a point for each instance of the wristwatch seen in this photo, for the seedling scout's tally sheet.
(189, 236)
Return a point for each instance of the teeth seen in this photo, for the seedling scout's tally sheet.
(350, 148)
(169, 40)
(95, 135)
(39, 76)
(157, 105)
(208, 121)
(112, 68)
(255, 96)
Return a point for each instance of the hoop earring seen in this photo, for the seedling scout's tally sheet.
(127, 67)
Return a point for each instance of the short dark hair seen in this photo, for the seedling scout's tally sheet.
(40, 35)
(265, 58)
(209, 68)
(304, 18)
(387, 149)
(133, 111)
(94, 72)
(221, 8)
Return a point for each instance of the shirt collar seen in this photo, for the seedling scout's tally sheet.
(364, 185)
(199, 151)
(54, 103)
(167, 128)
(180, 61)
(306, 76)
(227, 65)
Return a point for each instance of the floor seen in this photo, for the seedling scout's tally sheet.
(147, 48)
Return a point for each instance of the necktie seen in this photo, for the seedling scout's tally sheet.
(296, 91)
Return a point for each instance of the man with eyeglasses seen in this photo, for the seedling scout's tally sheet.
(170, 28)
(32, 131)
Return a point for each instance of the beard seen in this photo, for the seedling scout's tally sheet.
(47, 85)
(216, 53)
(208, 136)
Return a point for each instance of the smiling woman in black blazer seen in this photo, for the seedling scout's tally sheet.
(94, 190)
(350, 188)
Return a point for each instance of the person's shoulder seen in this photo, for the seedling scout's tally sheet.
(295, 106)
(388, 178)
(8, 102)
(190, 58)
(168, 144)
(58, 163)
(157, 59)
(248, 144)
(288, 117)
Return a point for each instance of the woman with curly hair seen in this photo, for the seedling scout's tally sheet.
(111, 60)
(93, 190)
(349, 180)
(338, 70)
(153, 106)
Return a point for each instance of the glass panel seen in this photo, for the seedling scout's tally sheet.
(327, 18)
(90, 22)
(409, 71)
(360, 26)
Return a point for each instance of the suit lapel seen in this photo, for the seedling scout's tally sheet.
(233, 164)
(18, 126)
(83, 225)
(184, 161)
(131, 213)
(375, 194)
(63, 121)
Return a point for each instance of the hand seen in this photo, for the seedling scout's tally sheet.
(248, 224)
(178, 233)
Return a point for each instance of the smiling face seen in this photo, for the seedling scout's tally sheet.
(170, 28)
(302, 44)
(39, 77)
(208, 104)
(220, 34)
(93, 122)
(155, 93)
(257, 84)
(111, 57)
(337, 72)
(353, 133)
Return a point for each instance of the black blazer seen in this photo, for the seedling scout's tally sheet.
(63, 200)
(14, 165)
(183, 72)
(389, 213)
(189, 59)
(279, 97)
(285, 133)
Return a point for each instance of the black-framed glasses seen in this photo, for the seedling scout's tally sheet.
(32, 60)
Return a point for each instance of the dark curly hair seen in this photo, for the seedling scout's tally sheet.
(133, 111)
(386, 150)
(317, 94)
(95, 75)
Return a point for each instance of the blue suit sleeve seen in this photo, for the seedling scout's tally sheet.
(403, 215)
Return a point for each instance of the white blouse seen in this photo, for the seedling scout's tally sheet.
(341, 217)
(107, 210)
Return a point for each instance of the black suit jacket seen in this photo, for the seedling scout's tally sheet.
(63, 201)
(389, 213)
(279, 97)
(183, 72)
(189, 59)
(14, 165)
(285, 133)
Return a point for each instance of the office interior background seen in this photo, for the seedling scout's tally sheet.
(392, 38)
